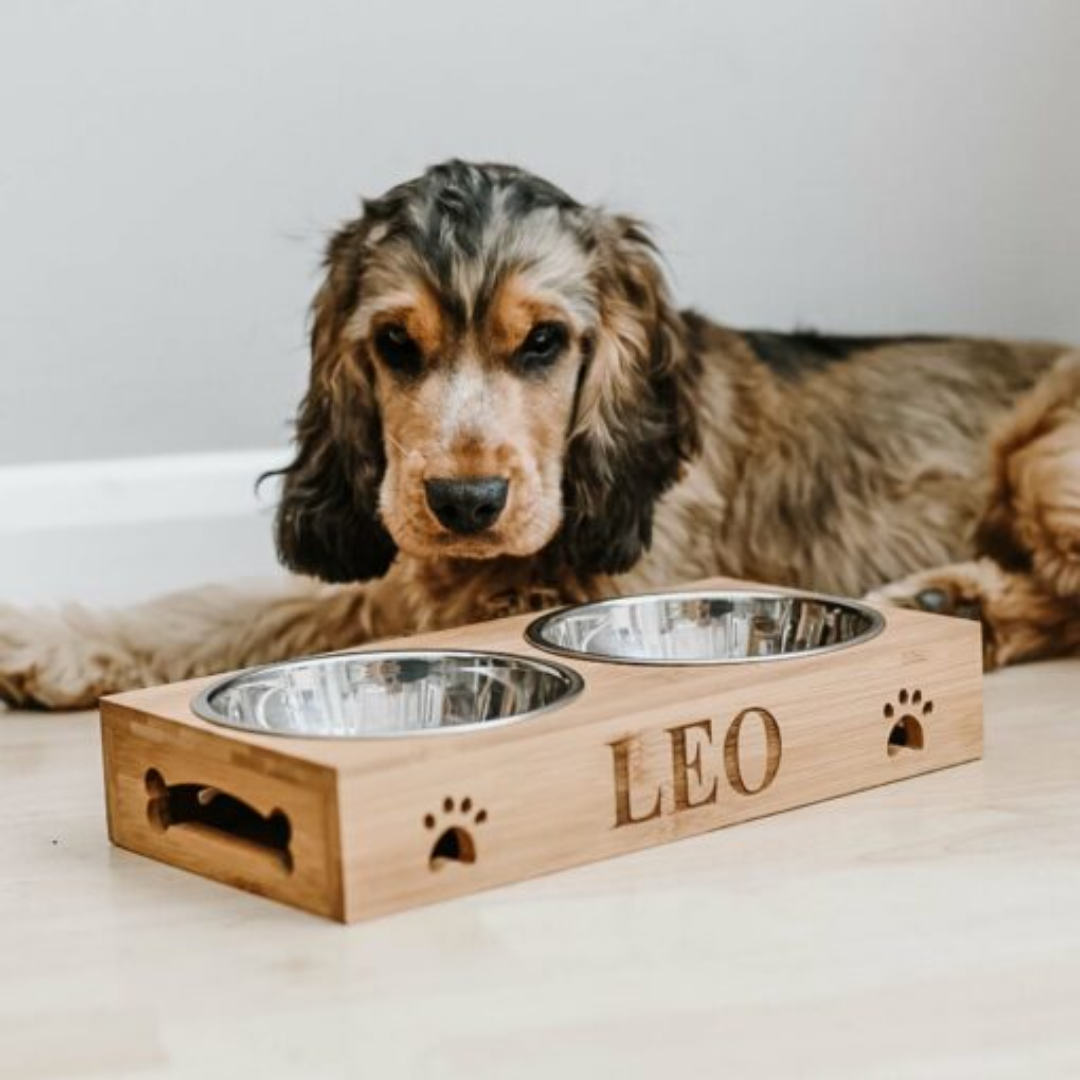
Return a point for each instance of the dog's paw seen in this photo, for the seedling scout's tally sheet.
(937, 594)
(963, 590)
(46, 663)
(16, 666)
(521, 602)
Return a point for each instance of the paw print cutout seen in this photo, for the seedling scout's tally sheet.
(455, 825)
(907, 714)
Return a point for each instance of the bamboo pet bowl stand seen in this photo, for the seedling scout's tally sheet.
(357, 828)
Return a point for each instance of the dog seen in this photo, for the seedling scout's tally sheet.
(506, 412)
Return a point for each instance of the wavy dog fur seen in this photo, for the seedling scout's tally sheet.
(477, 323)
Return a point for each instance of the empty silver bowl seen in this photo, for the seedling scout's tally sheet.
(713, 627)
(378, 694)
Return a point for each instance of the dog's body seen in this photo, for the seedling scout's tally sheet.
(506, 413)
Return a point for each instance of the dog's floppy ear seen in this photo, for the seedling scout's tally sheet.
(327, 521)
(634, 424)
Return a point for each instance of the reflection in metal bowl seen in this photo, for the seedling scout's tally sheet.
(377, 694)
(713, 627)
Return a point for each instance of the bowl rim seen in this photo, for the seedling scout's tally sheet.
(202, 707)
(534, 631)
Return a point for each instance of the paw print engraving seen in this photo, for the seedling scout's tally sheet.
(907, 714)
(454, 841)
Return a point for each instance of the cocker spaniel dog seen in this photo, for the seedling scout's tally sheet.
(506, 412)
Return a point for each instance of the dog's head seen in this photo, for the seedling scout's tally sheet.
(496, 370)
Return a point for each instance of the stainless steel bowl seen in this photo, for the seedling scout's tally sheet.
(364, 695)
(714, 627)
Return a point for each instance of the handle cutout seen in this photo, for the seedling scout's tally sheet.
(202, 807)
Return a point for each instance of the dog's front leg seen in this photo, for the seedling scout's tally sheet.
(69, 657)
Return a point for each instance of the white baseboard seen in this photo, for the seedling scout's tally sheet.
(112, 532)
(188, 487)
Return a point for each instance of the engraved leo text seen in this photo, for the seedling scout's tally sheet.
(692, 786)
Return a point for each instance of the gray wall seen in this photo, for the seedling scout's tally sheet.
(167, 171)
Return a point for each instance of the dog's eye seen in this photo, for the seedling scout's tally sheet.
(542, 347)
(398, 351)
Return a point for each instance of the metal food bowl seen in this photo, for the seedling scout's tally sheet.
(363, 695)
(713, 627)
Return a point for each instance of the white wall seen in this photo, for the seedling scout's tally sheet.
(167, 171)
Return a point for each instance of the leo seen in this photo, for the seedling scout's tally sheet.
(687, 766)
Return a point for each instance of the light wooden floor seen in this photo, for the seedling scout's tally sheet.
(929, 929)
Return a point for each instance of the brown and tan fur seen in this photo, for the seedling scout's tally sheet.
(652, 447)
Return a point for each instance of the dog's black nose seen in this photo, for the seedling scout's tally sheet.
(467, 505)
